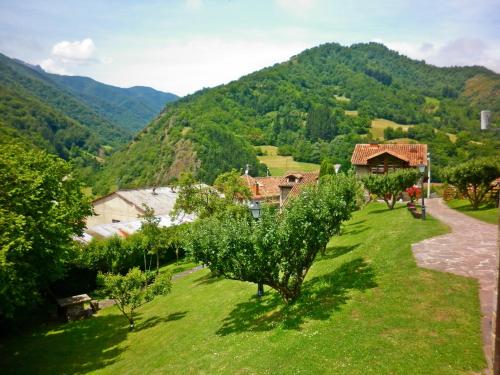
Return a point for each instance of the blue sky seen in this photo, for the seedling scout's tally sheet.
(184, 45)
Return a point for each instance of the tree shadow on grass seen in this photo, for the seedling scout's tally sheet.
(337, 251)
(386, 209)
(321, 296)
(209, 278)
(354, 231)
(357, 222)
(72, 348)
(155, 320)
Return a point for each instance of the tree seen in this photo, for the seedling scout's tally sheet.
(205, 201)
(474, 178)
(41, 209)
(134, 289)
(278, 249)
(320, 124)
(172, 238)
(232, 186)
(194, 198)
(326, 168)
(390, 186)
(151, 231)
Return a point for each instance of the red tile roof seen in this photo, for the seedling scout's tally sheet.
(306, 179)
(303, 177)
(414, 154)
(268, 186)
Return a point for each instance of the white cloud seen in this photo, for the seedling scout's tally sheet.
(52, 66)
(66, 56)
(457, 52)
(187, 65)
(75, 51)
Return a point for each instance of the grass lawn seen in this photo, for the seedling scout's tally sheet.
(365, 309)
(278, 165)
(378, 126)
(488, 214)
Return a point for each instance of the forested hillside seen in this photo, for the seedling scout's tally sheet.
(130, 108)
(316, 105)
(31, 83)
(37, 111)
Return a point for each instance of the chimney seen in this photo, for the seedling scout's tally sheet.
(256, 188)
(247, 169)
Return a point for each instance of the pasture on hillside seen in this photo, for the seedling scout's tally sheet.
(379, 124)
(278, 164)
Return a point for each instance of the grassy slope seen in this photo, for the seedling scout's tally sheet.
(366, 308)
(378, 126)
(278, 165)
(488, 214)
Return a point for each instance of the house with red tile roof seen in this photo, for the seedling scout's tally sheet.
(383, 158)
(264, 189)
(276, 190)
(292, 184)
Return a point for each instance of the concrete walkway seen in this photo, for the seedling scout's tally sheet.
(469, 250)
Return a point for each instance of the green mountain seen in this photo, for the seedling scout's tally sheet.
(37, 111)
(34, 84)
(129, 108)
(316, 105)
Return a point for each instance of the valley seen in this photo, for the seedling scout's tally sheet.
(249, 187)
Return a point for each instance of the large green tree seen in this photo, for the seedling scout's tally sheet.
(474, 178)
(41, 209)
(278, 249)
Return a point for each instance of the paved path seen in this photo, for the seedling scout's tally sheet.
(187, 272)
(469, 250)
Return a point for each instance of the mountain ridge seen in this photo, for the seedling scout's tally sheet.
(36, 111)
(292, 105)
(131, 107)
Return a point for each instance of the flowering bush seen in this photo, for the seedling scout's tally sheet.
(414, 192)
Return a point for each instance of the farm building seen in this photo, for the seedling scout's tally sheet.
(119, 213)
(384, 158)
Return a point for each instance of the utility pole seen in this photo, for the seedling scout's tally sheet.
(428, 175)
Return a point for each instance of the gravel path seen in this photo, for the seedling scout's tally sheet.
(469, 250)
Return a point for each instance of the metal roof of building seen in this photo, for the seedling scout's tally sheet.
(124, 229)
(161, 199)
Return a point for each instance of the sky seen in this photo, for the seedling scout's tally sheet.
(182, 46)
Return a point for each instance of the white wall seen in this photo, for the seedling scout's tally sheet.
(112, 208)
